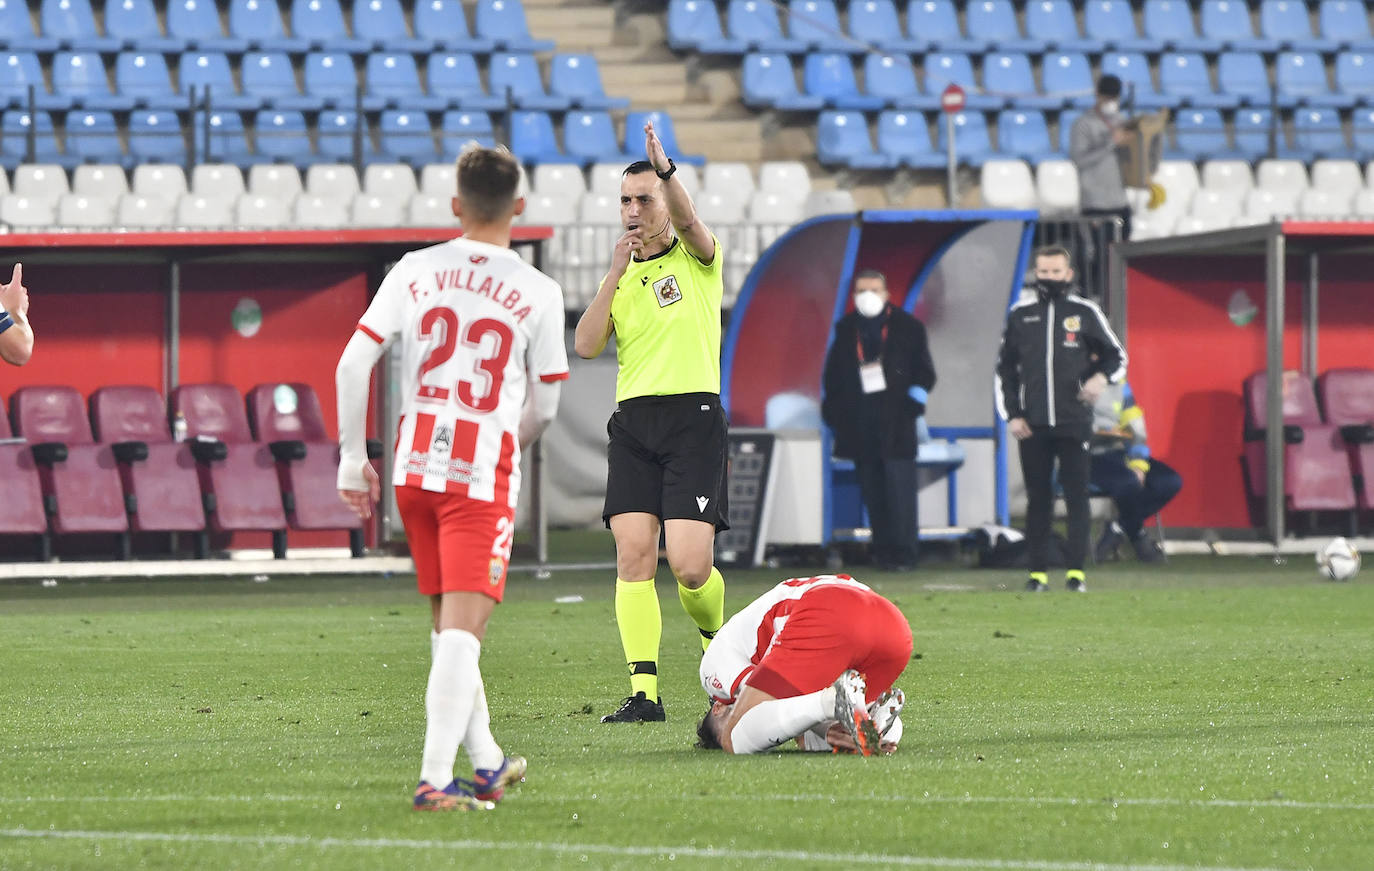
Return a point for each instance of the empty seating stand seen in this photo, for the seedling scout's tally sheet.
(21, 511)
(1348, 401)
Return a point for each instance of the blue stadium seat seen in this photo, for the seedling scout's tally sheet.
(830, 76)
(18, 71)
(336, 134)
(1008, 75)
(905, 138)
(220, 137)
(1355, 74)
(1288, 23)
(1345, 23)
(1361, 132)
(1228, 22)
(971, 143)
(816, 23)
(270, 78)
(1068, 78)
(1251, 129)
(321, 23)
(1171, 22)
(454, 76)
(945, 68)
(332, 78)
(892, 78)
(994, 21)
(407, 137)
(444, 22)
(577, 78)
(1051, 23)
(1300, 77)
(155, 137)
(755, 24)
(875, 22)
(81, 76)
(14, 136)
(134, 24)
(503, 22)
(459, 128)
(1244, 74)
(1184, 76)
(590, 137)
(1024, 134)
(532, 139)
(258, 22)
(203, 69)
(768, 81)
(1317, 133)
(842, 140)
(72, 24)
(382, 24)
(516, 78)
(1199, 134)
(16, 29)
(934, 24)
(694, 25)
(93, 137)
(144, 77)
(663, 126)
(1138, 86)
(196, 24)
(1112, 23)
(1065, 123)
(393, 78)
(282, 137)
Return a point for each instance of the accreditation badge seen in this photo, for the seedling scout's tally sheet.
(871, 377)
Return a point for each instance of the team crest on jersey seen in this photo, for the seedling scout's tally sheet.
(477, 259)
(443, 438)
(666, 291)
(496, 570)
(1073, 323)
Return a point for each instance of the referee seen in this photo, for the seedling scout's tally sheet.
(667, 446)
(1057, 355)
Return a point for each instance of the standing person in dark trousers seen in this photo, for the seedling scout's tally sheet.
(1058, 354)
(1122, 467)
(877, 374)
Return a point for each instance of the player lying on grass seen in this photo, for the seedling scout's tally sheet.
(771, 671)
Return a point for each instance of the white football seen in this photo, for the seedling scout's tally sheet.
(1339, 560)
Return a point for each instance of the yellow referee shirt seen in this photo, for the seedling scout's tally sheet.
(666, 313)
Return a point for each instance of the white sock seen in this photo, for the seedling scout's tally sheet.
(453, 679)
(482, 748)
(768, 724)
(433, 643)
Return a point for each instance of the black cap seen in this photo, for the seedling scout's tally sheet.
(1109, 86)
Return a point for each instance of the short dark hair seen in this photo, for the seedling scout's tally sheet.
(638, 167)
(871, 273)
(488, 181)
(1054, 251)
(707, 739)
(1109, 86)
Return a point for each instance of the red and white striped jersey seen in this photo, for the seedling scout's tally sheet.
(475, 323)
(742, 642)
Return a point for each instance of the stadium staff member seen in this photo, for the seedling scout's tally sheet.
(16, 334)
(481, 336)
(877, 374)
(1093, 141)
(667, 447)
(1057, 355)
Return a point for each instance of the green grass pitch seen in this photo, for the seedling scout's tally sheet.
(1207, 714)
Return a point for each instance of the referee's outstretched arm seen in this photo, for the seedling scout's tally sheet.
(690, 229)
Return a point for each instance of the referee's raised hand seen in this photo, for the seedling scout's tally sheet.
(653, 148)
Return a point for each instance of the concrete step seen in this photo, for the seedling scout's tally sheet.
(721, 139)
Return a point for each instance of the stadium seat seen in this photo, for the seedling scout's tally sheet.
(892, 78)
(830, 76)
(93, 137)
(156, 136)
(440, 179)
(1337, 176)
(1171, 23)
(1325, 204)
(42, 181)
(816, 24)
(771, 208)
(1316, 470)
(331, 78)
(1051, 24)
(1139, 89)
(1183, 76)
(454, 77)
(934, 25)
(444, 22)
(196, 24)
(1361, 133)
(332, 181)
(338, 136)
(754, 23)
(312, 210)
(157, 475)
(1347, 396)
(159, 181)
(1364, 203)
(258, 23)
(828, 202)
(532, 139)
(1112, 23)
(407, 137)
(80, 485)
(1345, 24)
(994, 22)
(1281, 175)
(590, 137)
(393, 81)
(1252, 131)
(730, 180)
(456, 129)
(1190, 224)
(971, 143)
(1007, 184)
(875, 22)
(237, 475)
(1220, 206)
(20, 70)
(1228, 22)
(393, 181)
(1056, 186)
(768, 81)
(271, 79)
(219, 181)
(16, 30)
(1008, 76)
(577, 78)
(80, 77)
(694, 25)
(105, 181)
(904, 137)
(842, 140)
(134, 23)
(18, 210)
(1227, 175)
(274, 180)
(144, 78)
(1262, 206)
(430, 210)
(1288, 23)
(221, 137)
(22, 511)
(787, 178)
(663, 126)
(1068, 79)
(137, 210)
(193, 210)
(1153, 224)
(554, 210)
(516, 78)
(1199, 134)
(282, 137)
(210, 71)
(1355, 75)
(604, 178)
(367, 210)
(1243, 74)
(944, 68)
(503, 22)
(72, 24)
(382, 25)
(321, 23)
(1179, 179)
(1317, 132)
(1025, 135)
(1301, 78)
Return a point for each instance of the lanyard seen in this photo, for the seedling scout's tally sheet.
(859, 344)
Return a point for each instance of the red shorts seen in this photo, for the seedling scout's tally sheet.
(831, 629)
(458, 544)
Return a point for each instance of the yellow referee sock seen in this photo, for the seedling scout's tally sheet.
(705, 605)
(641, 626)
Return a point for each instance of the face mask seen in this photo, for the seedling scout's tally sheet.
(1052, 287)
(869, 303)
(1111, 108)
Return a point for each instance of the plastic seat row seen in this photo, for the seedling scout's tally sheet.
(754, 25)
(377, 25)
(1316, 132)
(118, 469)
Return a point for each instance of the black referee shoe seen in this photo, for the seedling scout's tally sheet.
(637, 709)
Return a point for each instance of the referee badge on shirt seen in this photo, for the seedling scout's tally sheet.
(666, 291)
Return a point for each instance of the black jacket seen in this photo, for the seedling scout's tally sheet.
(1046, 355)
(881, 424)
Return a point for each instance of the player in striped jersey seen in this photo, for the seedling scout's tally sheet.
(481, 337)
(808, 653)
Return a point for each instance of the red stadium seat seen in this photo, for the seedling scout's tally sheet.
(237, 475)
(158, 474)
(80, 481)
(287, 418)
(21, 511)
(1348, 398)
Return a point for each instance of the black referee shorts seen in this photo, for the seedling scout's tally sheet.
(667, 457)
